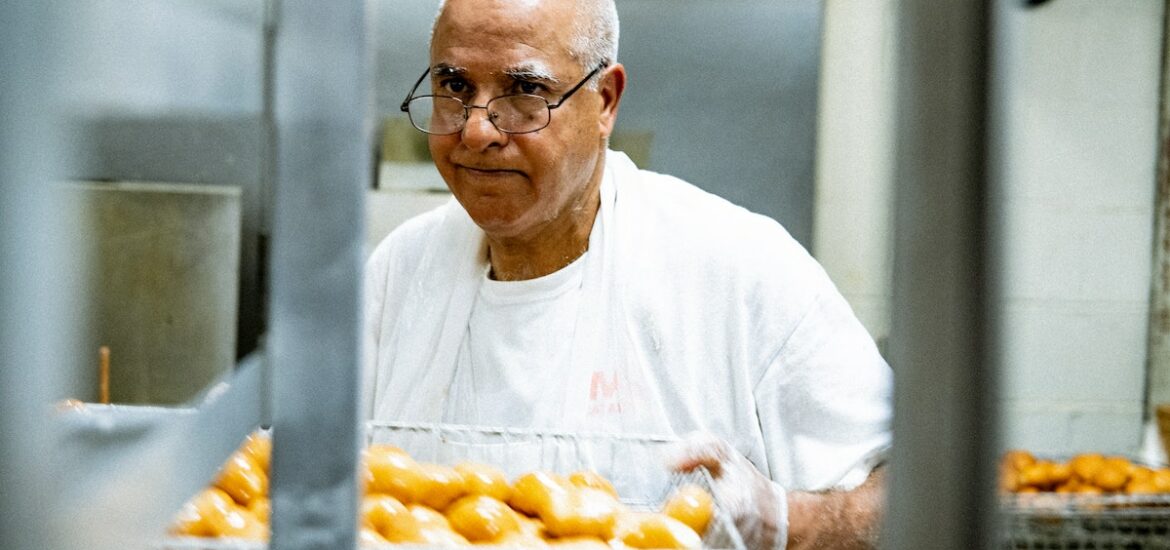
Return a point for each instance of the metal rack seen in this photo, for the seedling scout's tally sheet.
(110, 478)
(1058, 522)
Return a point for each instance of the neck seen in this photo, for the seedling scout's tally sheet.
(556, 245)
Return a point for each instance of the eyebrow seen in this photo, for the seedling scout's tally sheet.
(531, 72)
(443, 69)
(538, 72)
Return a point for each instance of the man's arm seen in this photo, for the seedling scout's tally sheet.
(838, 519)
(769, 517)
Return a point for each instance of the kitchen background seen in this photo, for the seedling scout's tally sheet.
(160, 246)
(783, 106)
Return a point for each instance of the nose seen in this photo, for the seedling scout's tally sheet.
(479, 133)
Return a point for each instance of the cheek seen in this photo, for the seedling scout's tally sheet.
(439, 146)
(559, 173)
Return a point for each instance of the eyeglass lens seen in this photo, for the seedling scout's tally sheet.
(512, 114)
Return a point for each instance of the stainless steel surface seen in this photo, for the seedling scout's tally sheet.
(207, 148)
(159, 287)
(173, 93)
(156, 91)
(125, 471)
(941, 479)
(1073, 522)
(110, 477)
(31, 304)
(320, 102)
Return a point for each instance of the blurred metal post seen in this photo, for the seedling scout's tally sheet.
(320, 103)
(942, 477)
(29, 342)
(1158, 356)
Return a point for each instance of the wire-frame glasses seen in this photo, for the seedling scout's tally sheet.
(511, 114)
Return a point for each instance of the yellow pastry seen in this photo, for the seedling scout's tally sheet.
(691, 505)
(481, 518)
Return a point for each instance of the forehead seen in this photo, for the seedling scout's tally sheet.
(503, 34)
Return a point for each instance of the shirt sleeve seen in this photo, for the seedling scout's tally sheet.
(824, 400)
(374, 299)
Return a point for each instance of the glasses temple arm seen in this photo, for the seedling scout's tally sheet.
(575, 88)
(409, 96)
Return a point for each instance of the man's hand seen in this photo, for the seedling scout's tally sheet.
(768, 517)
(758, 506)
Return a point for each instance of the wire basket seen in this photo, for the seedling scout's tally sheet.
(196, 543)
(1051, 521)
(634, 464)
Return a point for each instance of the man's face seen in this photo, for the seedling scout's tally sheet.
(515, 185)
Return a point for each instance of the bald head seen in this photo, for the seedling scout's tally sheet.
(594, 37)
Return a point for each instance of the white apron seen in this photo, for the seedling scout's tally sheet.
(695, 315)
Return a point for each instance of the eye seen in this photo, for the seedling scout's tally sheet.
(456, 86)
(529, 87)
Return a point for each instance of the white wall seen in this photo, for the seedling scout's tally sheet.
(1075, 99)
(852, 214)
(729, 89)
(1076, 115)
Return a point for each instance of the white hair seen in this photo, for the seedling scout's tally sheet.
(595, 34)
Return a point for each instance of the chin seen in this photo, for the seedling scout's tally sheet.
(500, 229)
(494, 222)
(496, 217)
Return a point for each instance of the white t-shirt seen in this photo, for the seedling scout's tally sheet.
(515, 347)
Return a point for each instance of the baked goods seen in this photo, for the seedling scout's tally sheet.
(653, 530)
(411, 502)
(1085, 473)
(482, 479)
(236, 506)
(691, 505)
(213, 513)
(482, 518)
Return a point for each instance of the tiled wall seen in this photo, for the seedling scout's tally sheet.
(1076, 109)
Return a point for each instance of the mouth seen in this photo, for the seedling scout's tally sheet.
(483, 171)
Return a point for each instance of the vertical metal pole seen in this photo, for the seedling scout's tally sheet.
(1158, 355)
(942, 479)
(320, 102)
(267, 184)
(31, 346)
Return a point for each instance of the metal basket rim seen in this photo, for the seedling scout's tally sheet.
(439, 427)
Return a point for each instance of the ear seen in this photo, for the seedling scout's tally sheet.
(610, 86)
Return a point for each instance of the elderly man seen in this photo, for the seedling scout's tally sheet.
(568, 290)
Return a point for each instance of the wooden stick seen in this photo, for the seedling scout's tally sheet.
(104, 375)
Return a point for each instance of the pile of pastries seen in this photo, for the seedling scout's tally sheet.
(411, 502)
(236, 505)
(1086, 473)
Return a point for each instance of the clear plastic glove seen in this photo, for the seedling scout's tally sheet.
(758, 506)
